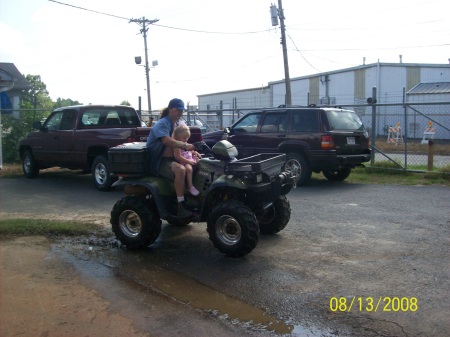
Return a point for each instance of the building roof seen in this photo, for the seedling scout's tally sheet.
(10, 73)
(235, 91)
(365, 66)
(430, 88)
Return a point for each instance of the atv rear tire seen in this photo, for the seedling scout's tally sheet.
(276, 217)
(233, 228)
(135, 222)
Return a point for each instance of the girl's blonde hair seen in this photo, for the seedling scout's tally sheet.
(181, 130)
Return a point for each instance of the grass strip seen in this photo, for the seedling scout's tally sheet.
(24, 227)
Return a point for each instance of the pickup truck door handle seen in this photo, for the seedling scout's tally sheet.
(281, 136)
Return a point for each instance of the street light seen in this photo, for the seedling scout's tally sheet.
(138, 61)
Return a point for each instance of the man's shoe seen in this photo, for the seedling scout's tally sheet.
(183, 212)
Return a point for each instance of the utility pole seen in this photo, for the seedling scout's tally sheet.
(144, 24)
(287, 79)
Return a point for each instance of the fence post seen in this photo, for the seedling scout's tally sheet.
(430, 154)
(405, 129)
(1, 146)
(374, 124)
(221, 115)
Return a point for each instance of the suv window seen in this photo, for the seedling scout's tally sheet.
(248, 124)
(343, 120)
(305, 121)
(274, 122)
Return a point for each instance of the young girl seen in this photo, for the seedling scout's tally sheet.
(186, 158)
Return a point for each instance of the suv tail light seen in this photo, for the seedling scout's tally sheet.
(327, 142)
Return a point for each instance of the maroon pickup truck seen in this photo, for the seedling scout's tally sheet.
(78, 137)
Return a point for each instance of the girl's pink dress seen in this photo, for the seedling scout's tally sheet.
(188, 155)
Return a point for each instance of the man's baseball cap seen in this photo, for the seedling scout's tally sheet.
(176, 103)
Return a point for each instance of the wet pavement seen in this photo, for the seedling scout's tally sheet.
(344, 241)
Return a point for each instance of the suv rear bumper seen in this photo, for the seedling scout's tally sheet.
(337, 161)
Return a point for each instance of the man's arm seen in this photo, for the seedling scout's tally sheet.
(170, 142)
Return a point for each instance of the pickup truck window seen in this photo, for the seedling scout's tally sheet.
(106, 117)
(61, 120)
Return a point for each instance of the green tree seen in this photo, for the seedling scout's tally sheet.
(35, 104)
(125, 103)
(62, 102)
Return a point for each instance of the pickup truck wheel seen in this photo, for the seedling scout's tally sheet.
(29, 166)
(337, 175)
(101, 173)
(135, 222)
(276, 217)
(300, 167)
(233, 228)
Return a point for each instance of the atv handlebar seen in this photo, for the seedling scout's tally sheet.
(202, 148)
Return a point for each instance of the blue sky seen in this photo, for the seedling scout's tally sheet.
(90, 57)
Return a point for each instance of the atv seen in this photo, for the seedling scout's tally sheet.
(238, 198)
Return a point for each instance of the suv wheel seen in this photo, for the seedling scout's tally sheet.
(300, 167)
(337, 175)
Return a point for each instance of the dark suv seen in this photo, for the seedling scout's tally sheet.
(330, 140)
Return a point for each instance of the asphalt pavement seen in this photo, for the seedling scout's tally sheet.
(345, 242)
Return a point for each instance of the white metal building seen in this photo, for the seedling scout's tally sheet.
(350, 86)
(340, 87)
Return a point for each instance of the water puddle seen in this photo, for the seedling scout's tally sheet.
(203, 297)
(133, 268)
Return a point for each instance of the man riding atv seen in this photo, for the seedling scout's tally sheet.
(238, 199)
(161, 144)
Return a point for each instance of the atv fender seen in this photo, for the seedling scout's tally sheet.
(224, 182)
(159, 188)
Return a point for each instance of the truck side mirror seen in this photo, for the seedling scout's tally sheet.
(37, 125)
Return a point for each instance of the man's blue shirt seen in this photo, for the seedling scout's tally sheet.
(162, 128)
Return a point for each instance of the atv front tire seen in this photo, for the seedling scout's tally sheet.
(276, 217)
(233, 228)
(135, 222)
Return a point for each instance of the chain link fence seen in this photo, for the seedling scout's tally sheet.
(408, 136)
(14, 126)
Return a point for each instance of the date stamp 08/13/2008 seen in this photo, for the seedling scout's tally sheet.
(374, 304)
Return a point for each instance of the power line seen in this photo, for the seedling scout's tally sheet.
(89, 10)
(163, 26)
(212, 32)
(302, 54)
